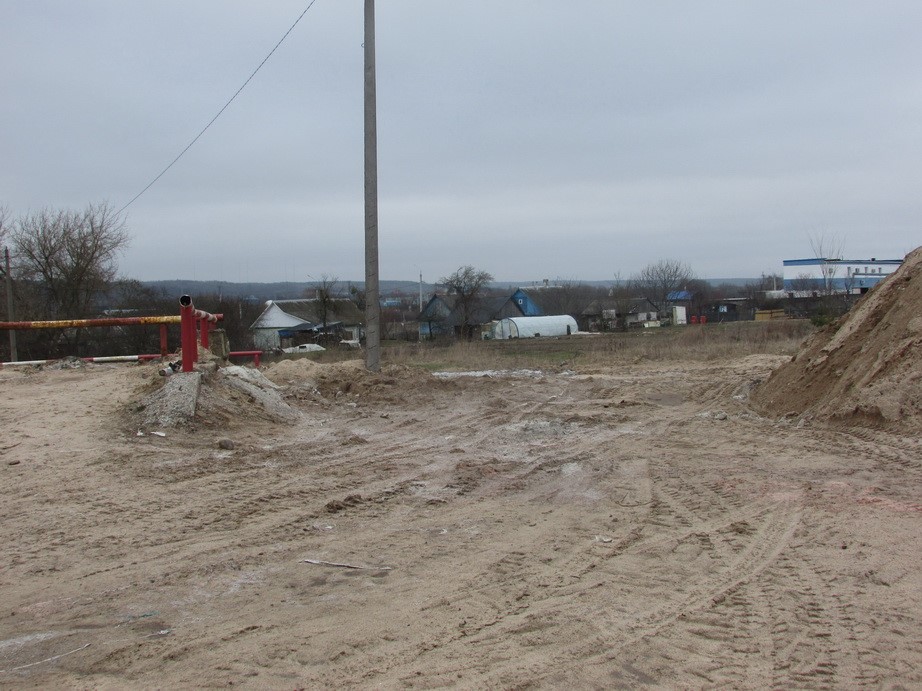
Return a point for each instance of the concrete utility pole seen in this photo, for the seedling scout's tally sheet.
(372, 302)
(9, 305)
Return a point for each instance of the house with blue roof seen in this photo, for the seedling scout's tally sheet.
(441, 316)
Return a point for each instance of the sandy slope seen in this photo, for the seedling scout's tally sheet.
(866, 369)
(595, 529)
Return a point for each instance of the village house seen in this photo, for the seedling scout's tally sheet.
(609, 314)
(441, 316)
(285, 323)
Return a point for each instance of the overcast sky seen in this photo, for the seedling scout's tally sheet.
(530, 138)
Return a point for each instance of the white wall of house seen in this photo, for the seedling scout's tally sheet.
(266, 339)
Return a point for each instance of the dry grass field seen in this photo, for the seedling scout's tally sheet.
(593, 512)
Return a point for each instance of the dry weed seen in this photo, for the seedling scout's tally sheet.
(701, 343)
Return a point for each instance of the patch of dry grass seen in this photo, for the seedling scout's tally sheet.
(701, 343)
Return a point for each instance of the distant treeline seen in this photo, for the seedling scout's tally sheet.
(287, 290)
(290, 290)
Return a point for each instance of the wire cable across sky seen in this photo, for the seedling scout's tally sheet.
(223, 108)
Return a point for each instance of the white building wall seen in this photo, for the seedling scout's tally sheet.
(837, 276)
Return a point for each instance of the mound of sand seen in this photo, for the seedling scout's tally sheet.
(350, 379)
(307, 372)
(211, 398)
(218, 398)
(866, 368)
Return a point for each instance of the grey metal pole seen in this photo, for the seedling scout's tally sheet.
(9, 305)
(372, 302)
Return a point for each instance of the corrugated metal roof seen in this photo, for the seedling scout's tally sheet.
(284, 314)
(274, 317)
(341, 310)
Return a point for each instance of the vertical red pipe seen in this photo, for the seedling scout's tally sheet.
(205, 326)
(164, 351)
(187, 333)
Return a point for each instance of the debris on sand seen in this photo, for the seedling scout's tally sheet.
(864, 369)
(213, 397)
(321, 562)
(350, 382)
(261, 391)
(173, 404)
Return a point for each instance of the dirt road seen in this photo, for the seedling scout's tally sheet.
(603, 528)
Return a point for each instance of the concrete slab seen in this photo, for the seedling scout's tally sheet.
(174, 404)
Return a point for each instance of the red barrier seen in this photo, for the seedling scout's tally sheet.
(109, 321)
(105, 358)
(189, 318)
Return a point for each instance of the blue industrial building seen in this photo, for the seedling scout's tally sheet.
(805, 277)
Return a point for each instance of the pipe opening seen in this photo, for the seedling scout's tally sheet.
(185, 301)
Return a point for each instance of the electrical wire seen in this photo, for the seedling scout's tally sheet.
(229, 101)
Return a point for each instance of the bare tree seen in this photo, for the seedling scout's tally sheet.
(467, 284)
(806, 283)
(827, 247)
(702, 293)
(658, 280)
(621, 296)
(567, 297)
(4, 231)
(757, 291)
(69, 257)
(325, 293)
(358, 296)
(4, 224)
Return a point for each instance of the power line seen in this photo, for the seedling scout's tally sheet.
(229, 101)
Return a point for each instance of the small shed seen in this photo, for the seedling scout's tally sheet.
(534, 327)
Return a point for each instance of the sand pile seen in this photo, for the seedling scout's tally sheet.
(210, 398)
(864, 369)
(350, 380)
(233, 394)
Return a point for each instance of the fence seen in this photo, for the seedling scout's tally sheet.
(194, 325)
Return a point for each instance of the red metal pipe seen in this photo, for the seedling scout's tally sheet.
(187, 333)
(199, 314)
(190, 317)
(105, 358)
(122, 358)
(79, 323)
(255, 354)
(204, 327)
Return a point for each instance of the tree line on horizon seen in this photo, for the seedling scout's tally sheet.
(63, 265)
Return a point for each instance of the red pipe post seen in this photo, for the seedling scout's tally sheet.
(204, 328)
(187, 333)
(255, 354)
(190, 318)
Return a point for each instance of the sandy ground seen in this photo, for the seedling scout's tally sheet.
(606, 529)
